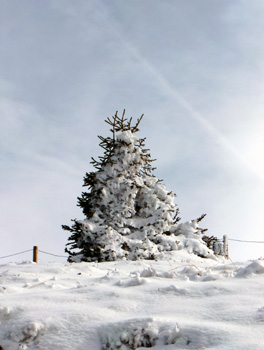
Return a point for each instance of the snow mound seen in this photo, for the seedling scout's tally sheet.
(151, 272)
(136, 281)
(133, 305)
(174, 289)
(138, 333)
(5, 313)
(256, 267)
(17, 331)
(19, 335)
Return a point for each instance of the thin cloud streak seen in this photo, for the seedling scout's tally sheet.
(171, 91)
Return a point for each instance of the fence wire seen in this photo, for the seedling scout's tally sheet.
(64, 256)
(59, 256)
(31, 250)
(8, 256)
(239, 240)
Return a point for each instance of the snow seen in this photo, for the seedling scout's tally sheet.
(179, 302)
(127, 137)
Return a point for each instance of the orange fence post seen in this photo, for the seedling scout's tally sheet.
(35, 254)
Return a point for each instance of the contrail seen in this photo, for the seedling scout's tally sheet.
(172, 91)
(210, 129)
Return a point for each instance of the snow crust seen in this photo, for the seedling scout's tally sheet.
(179, 302)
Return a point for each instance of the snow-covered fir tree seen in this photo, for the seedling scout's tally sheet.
(128, 211)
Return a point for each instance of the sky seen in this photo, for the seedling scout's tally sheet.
(194, 68)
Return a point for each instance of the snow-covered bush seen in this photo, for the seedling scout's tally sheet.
(138, 333)
(128, 211)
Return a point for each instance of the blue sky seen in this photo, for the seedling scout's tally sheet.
(194, 68)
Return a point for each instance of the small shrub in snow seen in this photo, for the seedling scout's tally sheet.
(135, 334)
(27, 334)
(128, 212)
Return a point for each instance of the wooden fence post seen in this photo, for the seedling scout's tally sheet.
(35, 254)
(225, 242)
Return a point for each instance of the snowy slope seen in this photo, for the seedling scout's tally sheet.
(181, 302)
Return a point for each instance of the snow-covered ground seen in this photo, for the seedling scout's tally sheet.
(180, 302)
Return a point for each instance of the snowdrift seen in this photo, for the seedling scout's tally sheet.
(180, 302)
